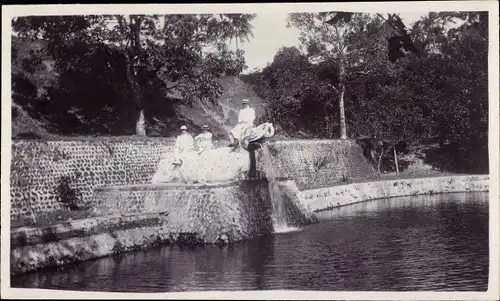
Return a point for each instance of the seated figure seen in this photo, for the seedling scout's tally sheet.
(183, 150)
(246, 119)
(210, 164)
(204, 140)
(256, 134)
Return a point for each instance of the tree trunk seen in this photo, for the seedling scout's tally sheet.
(140, 128)
(379, 163)
(135, 28)
(396, 159)
(343, 128)
(140, 125)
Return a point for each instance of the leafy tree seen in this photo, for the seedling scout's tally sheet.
(389, 112)
(400, 41)
(91, 95)
(338, 44)
(169, 47)
(463, 119)
(299, 100)
(440, 93)
(435, 94)
(32, 72)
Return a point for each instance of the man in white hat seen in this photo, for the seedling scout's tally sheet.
(204, 140)
(246, 119)
(183, 144)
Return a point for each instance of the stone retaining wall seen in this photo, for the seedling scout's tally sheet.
(336, 196)
(197, 214)
(39, 168)
(315, 163)
(72, 242)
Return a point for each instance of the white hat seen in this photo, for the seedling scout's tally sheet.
(245, 100)
(204, 126)
(184, 127)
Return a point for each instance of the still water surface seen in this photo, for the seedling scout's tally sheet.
(433, 243)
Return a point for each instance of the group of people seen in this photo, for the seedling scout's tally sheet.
(196, 160)
(186, 143)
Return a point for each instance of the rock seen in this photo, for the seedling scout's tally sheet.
(222, 239)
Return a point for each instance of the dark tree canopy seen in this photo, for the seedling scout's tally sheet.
(432, 87)
(111, 69)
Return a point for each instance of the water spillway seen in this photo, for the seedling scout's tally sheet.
(219, 168)
(210, 198)
(132, 217)
(225, 211)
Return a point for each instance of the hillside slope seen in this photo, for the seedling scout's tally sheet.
(24, 126)
(78, 103)
(223, 116)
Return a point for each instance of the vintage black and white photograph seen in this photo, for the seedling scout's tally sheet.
(306, 148)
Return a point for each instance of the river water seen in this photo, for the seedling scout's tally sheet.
(432, 243)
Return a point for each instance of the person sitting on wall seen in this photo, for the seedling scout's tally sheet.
(246, 118)
(183, 144)
(204, 140)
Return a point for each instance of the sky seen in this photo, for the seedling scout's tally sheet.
(270, 34)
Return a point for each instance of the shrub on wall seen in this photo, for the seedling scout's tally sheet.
(67, 195)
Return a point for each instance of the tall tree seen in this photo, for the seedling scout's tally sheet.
(333, 42)
(169, 47)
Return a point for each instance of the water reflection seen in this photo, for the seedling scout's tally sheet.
(416, 243)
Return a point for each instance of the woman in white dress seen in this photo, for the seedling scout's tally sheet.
(204, 140)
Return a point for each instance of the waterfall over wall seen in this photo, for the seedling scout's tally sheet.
(275, 192)
(236, 210)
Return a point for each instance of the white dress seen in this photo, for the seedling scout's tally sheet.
(168, 168)
(220, 164)
(204, 142)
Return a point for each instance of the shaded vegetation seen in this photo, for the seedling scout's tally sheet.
(340, 84)
(120, 75)
(74, 76)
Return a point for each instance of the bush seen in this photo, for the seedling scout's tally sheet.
(68, 196)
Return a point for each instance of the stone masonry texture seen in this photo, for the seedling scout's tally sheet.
(39, 167)
(315, 163)
(214, 213)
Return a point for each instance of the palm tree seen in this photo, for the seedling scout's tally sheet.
(243, 29)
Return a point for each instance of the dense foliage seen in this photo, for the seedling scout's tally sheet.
(438, 92)
(111, 73)
(354, 75)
